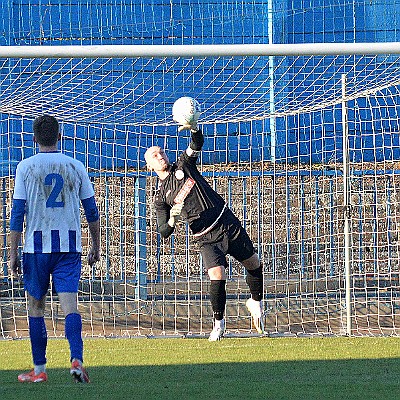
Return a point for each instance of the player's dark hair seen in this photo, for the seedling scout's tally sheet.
(46, 130)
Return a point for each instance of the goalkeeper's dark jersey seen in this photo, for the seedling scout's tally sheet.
(202, 205)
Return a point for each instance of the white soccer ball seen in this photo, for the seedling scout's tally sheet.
(186, 111)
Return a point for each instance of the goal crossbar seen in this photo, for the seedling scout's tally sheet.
(110, 51)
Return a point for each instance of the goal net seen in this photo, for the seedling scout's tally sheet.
(304, 148)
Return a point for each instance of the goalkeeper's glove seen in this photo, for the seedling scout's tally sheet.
(174, 214)
(189, 126)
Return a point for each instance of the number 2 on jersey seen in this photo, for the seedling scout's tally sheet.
(58, 185)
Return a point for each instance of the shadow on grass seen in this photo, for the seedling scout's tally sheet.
(331, 379)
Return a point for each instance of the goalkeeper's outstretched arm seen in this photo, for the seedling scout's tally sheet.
(196, 144)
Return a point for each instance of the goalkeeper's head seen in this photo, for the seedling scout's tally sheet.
(156, 160)
(46, 131)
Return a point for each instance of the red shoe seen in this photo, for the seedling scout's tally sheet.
(31, 377)
(78, 372)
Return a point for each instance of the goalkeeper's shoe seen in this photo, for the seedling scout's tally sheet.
(78, 372)
(30, 376)
(218, 331)
(255, 309)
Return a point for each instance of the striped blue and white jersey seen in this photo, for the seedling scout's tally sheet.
(52, 185)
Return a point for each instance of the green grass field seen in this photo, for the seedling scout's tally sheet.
(255, 368)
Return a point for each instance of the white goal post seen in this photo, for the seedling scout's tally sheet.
(204, 50)
(302, 140)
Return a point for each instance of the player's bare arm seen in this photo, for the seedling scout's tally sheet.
(94, 252)
(15, 262)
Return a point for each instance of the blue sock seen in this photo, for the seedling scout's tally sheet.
(73, 333)
(38, 336)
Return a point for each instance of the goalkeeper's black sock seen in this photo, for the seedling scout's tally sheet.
(255, 280)
(218, 298)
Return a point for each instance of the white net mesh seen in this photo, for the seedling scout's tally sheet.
(273, 149)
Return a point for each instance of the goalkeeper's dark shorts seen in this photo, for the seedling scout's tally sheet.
(227, 237)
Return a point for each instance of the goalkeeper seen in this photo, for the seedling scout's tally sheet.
(183, 193)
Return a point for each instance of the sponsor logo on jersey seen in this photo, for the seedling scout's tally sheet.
(185, 190)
